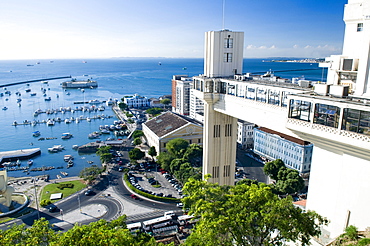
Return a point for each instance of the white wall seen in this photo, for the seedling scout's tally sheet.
(338, 184)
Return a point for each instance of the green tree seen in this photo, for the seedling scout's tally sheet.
(272, 168)
(165, 102)
(177, 147)
(194, 154)
(103, 150)
(136, 154)
(289, 181)
(247, 182)
(122, 106)
(164, 159)
(137, 134)
(246, 215)
(152, 152)
(90, 173)
(154, 111)
(106, 157)
(137, 141)
(176, 164)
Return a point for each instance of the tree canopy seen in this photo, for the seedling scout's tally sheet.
(95, 233)
(137, 134)
(152, 152)
(287, 180)
(136, 154)
(177, 147)
(154, 111)
(246, 215)
(90, 173)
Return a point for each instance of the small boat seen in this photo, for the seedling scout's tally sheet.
(30, 162)
(50, 122)
(15, 123)
(33, 94)
(56, 148)
(18, 162)
(88, 119)
(90, 162)
(58, 176)
(70, 164)
(67, 158)
(48, 99)
(28, 90)
(75, 146)
(64, 173)
(66, 135)
(105, 131)
(36, 133)
(4, 108)
(67, 121)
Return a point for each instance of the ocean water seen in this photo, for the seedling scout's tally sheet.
(117, 77)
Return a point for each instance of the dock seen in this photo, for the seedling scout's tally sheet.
(35, 80)
(21, 154)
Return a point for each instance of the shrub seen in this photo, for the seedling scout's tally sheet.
(67, 185)
(45, 202)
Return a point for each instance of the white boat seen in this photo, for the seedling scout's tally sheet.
(30, 162)
(36, 133)
(67, 158)
(56, 148)
(66, 135)
(64, 173)
(75, 146)
(88, 119)
(67, 121)
(50, 122)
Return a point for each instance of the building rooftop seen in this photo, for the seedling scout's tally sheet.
(287, 137)
(168, 122)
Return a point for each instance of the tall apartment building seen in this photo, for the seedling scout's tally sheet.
(181, 94)
(294, 152)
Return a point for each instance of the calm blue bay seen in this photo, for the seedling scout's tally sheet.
(150, 77)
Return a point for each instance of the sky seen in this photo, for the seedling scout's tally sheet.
(61, 29)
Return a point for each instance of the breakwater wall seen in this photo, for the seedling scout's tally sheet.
(36, 80)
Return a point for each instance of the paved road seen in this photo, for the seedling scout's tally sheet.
(252, 168)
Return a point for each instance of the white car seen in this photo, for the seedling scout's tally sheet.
(180, 205)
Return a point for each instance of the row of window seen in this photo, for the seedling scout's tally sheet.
(216, 171)
(354, 120)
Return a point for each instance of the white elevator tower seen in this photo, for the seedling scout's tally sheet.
(352, 67)
(223, 53)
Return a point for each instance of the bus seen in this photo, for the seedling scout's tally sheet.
(157, 223)
(134, 228)
(186, 219)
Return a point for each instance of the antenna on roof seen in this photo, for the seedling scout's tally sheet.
(223, 14)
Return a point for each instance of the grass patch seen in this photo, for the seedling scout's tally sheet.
(53, 188)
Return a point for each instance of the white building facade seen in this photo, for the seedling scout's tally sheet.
(137, 101)
(295, 153)
(245, 134)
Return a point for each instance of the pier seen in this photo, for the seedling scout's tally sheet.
(22, 154)
(36, 80)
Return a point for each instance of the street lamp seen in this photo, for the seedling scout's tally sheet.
(37, 203)
(79, 203)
